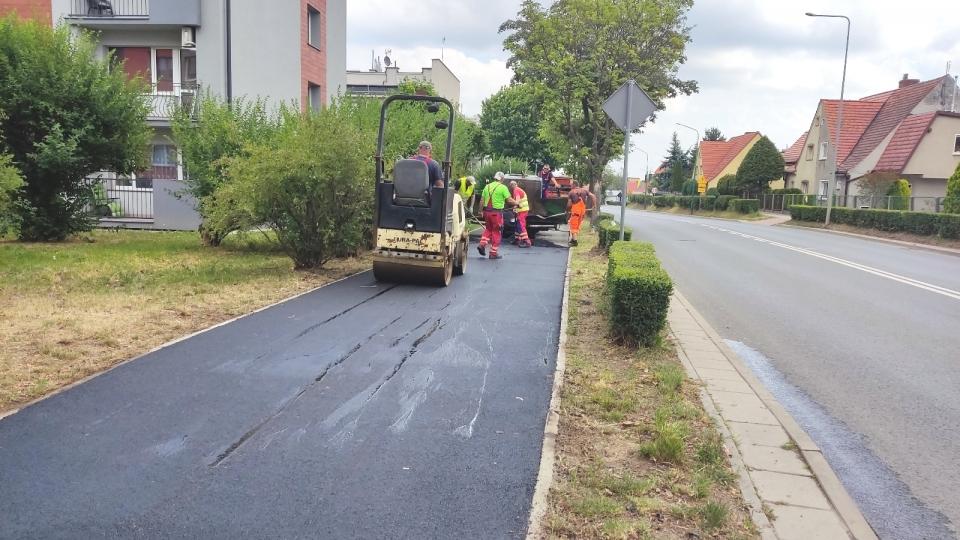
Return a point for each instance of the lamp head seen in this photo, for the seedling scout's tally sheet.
(808, 14)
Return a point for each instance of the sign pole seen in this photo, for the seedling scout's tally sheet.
(626, 160)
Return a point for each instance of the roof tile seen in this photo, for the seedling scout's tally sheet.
(904, 142)
(857, 116)
(716, 155)
(792, 154)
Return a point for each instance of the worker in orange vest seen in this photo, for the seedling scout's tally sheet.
(577, 207)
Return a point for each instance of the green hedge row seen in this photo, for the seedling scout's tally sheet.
(609, 232)
(922, 223)
(744, 206)
(638, 293)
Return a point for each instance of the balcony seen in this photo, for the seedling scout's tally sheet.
(110, 9)
(118, 13)
(164, 99)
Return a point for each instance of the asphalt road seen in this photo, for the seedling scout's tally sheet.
(356, 411)
(859, 339)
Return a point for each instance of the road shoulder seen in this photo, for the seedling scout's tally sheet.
(779, 464)
(915, 245)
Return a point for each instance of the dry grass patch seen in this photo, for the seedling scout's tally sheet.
(636, 455)
(73, 309)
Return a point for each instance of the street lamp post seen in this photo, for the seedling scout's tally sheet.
(832, 181)
(693, 167)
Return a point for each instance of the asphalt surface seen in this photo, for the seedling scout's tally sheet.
(359, 410)
(855, 337)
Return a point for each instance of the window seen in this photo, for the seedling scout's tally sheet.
(823, 151)
(809, 152)
(956, 145)
(164, 161)
(314, 97)
(165, 70)
(805, 186)
(313, 27)
(823, 189)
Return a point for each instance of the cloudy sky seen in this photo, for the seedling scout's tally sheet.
(761, 64)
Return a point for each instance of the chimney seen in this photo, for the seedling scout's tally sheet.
(907, 81)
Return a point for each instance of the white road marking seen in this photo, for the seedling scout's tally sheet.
(949, 293)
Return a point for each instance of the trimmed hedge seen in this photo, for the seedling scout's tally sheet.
(638, 293)
(723, 202)
(608, 232)
(744, 206)
(605, 216)
(921, 223)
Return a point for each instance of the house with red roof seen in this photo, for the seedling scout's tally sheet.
(910, 132)
(717, 159)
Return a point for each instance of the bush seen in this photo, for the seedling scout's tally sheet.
(727, 185)
(788, 191)
(317, 196)
(952, 203)
(604, 216)
(713, 192)
(920, 223)
(10, 183)
(609, 232)
(708, 203)
(689, 187)
(762, 165)
(68, 115)
(638, 292)
(723, 202)
(899, 193)
(744, 206)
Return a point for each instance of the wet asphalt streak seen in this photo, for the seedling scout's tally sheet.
(867, 364)
(359, 410)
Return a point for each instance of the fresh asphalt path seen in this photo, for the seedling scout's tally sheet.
(360, 410)
(859, 339)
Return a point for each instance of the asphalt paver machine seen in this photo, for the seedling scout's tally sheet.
(421, 233)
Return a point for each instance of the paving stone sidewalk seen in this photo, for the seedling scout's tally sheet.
(780, 467)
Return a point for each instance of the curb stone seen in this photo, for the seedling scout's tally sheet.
(844, 518)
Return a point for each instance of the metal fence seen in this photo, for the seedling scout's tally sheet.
(109, 8)
(122, 198)
(164, 99)
(782, 203)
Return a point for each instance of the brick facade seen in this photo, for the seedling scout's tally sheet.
(37, 9)
(313, 62)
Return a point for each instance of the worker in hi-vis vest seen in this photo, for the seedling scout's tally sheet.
(494, 198)
(466, 186)
(521, 237)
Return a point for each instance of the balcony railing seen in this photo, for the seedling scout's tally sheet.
(110, 8)
(164, 99)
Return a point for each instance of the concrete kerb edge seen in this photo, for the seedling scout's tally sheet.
(747, 487)
(903, 243)
(539, 504)
(825, 476)
(173, 342)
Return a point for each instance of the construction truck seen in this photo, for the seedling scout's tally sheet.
(421, 233)
(548, 205)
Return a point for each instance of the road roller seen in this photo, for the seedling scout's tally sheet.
(421, 233)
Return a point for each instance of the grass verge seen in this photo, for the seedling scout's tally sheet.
(72, 309)
(901, 236)
(702, 213)
(637, 457)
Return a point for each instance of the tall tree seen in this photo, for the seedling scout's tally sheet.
(713, 134)
(511, 120)
(578, 52)
(68, 115)
(762, 165)
(678, 162)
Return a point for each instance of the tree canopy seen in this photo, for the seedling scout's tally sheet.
(511, 120)
(578, 52)
(762, 165)
(952, 203)
(67, 116)
(713, 134)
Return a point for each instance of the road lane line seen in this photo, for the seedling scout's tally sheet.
(949, 293)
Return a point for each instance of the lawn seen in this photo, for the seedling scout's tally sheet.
(72, 309)
(637, 457)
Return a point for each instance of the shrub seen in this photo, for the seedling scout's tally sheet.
(920, 223)
(690, 187)
(952, 203)
(10, 183)
(318, 197)
(788, 191)
(713, 192)
(604, 216)
(899, 193)
(638, 292)
(68, 115)
(609, 232)
(744, 206)
(708, 203)
(723, 202)
(727, 185)
(762, 165)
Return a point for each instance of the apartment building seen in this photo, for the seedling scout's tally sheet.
(281, 51)
(382, 81)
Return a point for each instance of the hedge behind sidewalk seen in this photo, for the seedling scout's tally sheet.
(921, 223)
(608, 232)
(638, 293)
